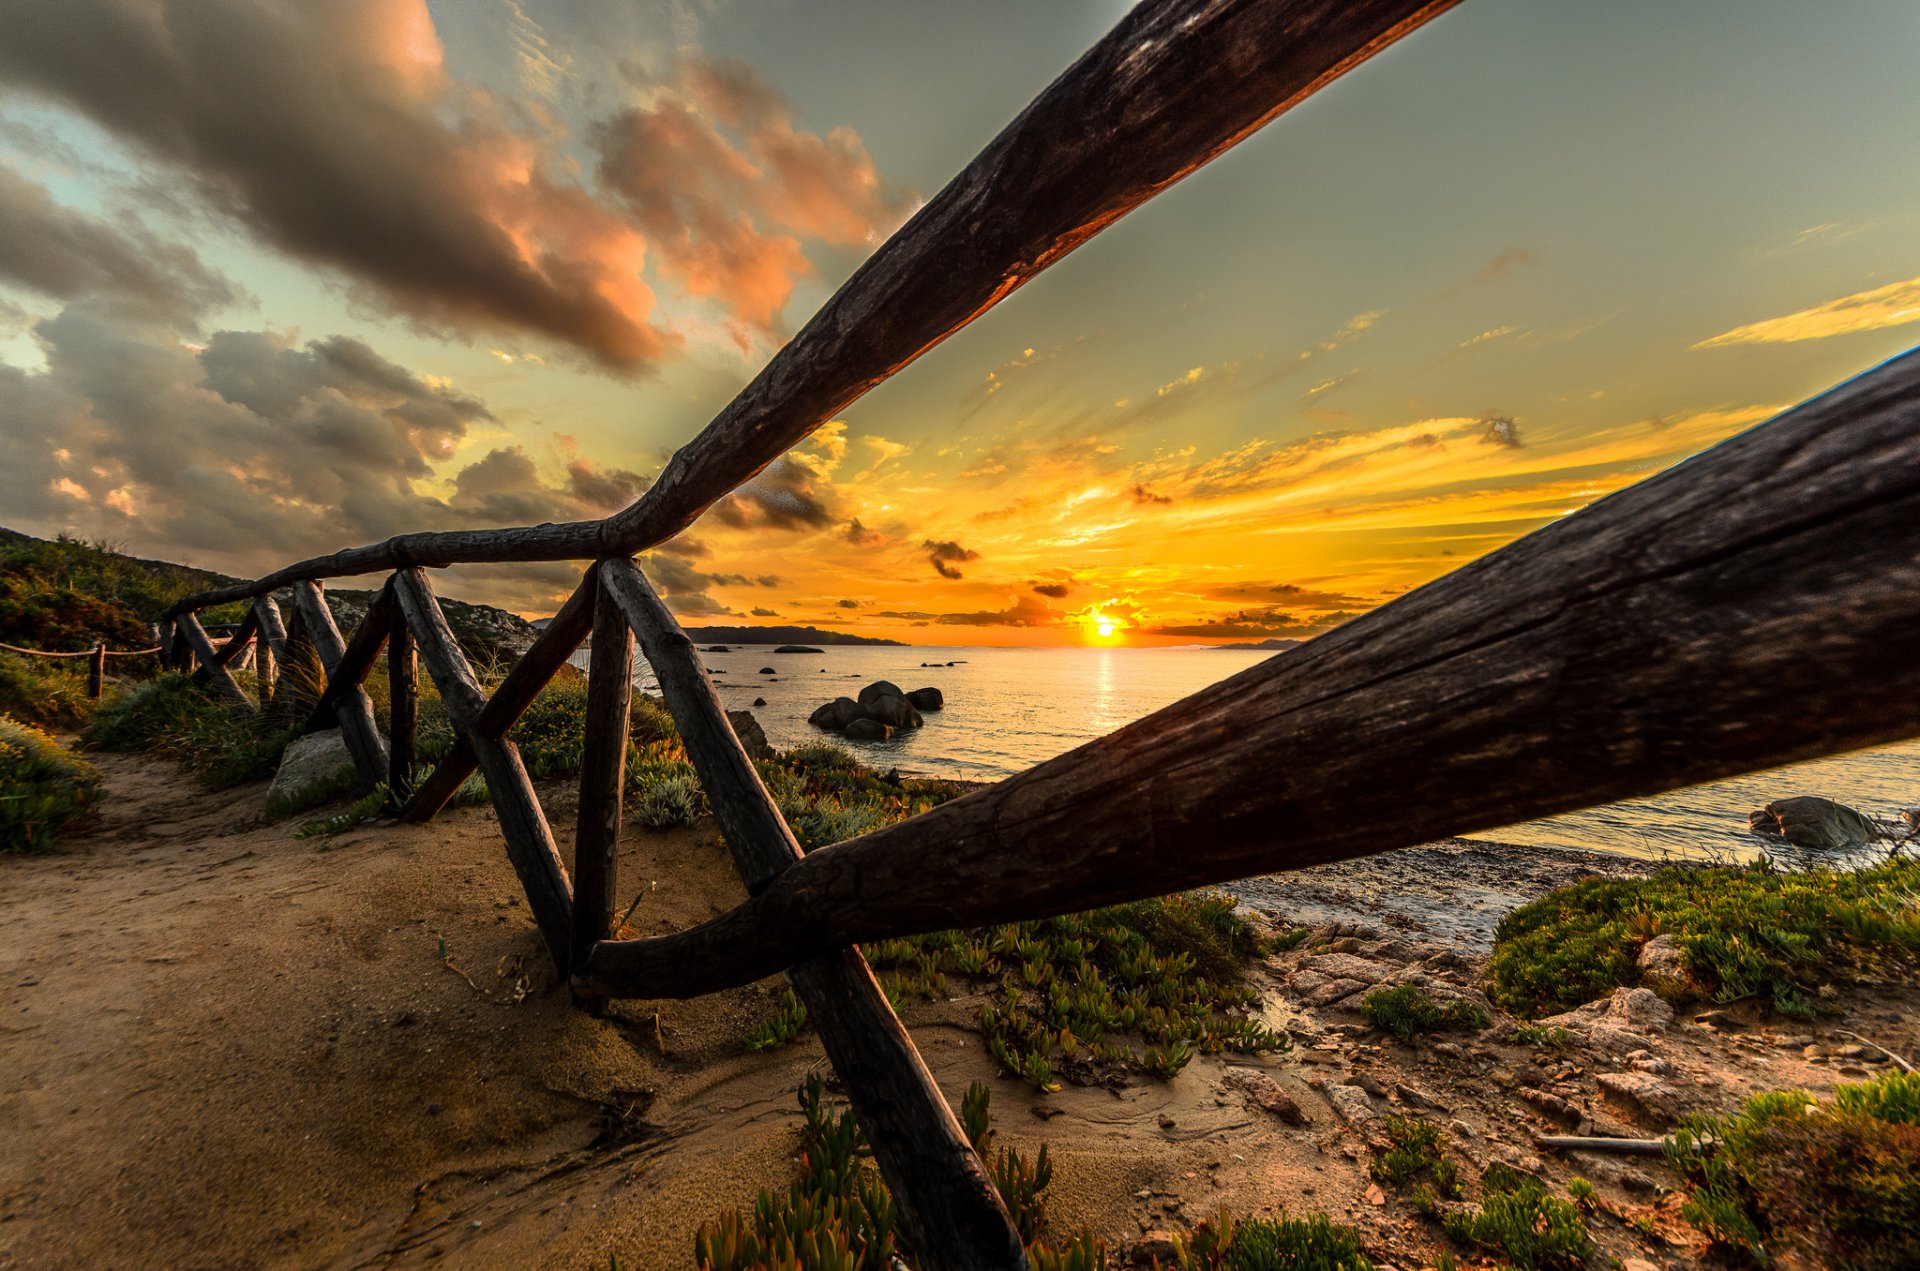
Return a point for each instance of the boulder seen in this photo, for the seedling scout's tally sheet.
(864, 729)
(1644, 1093)
(797, 648)
(927, 699)
(767, 670)
(1351, 1104)
(309, 765)
(893, 712)
(835, 715)
(719, 648)
(1810, 821)
(759, 701)
(879, 688)
(753, 738)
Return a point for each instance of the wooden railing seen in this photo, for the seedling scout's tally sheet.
(96, 661)
(1752, 606)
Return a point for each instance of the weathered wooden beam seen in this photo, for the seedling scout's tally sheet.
(603, 776)
(511, 697)
(1173, 85)
(952, 1215)
(522, 823)
(97, 672)
(349, 673)
(195, 638)
(1752, 606)
(230, 652)
(403, 704)
(273, 647)
(352, 707)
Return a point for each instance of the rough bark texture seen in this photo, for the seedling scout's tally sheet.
(948, 1205)
(1174, 84)
(351, 706)
(235, 648)
(194, 638)
(545, 656)
(97, 671)
(349, 674)
(603, 777)
(403, 703)
(1753, 606)
(524, 826)
(273, 647)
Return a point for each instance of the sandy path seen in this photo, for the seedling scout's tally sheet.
(227, 1047)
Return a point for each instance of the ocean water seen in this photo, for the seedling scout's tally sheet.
(1008, 709)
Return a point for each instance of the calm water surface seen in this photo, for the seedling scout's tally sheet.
(1008, 709)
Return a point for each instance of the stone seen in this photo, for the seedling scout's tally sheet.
(719, 648)
(1345, 966)
(1418, 1097)
(1333, 991)
(308, 765)
(1626, 1011)
(759, 701)
(894, 712)
(1662, 970)
(1551, 1104)
(1644, 1093)
(1367, 1082)
(835, 715)
(879, 688)
(927, 699)
(753, 738)
(1810, 821)
(1156, 1247)
(798, 648)
(867, 730)
(1350, 1104)
(767, 670)
(1267, 1095)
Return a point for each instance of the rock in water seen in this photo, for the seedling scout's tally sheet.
(864, 729)
(307, 765)
(767, 670)
(894, 712)
(835, 715)
(1810, 821)
(879, 688)
(798, 648)
(753, 738)
(927, 699)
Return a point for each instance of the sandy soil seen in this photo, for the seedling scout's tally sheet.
(224, 1046)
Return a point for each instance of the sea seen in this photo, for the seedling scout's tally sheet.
(1010, 708)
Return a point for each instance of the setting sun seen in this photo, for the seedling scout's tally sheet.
(1104, 626)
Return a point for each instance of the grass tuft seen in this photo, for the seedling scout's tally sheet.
(1278, 1244)
(43, 786)
(1520, 1221)
(1407, 1010)
(1415, 1150)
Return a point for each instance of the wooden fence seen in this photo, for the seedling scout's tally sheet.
(96, 661)
(1752, 606)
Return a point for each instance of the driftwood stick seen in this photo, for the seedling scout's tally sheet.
(195, 638)
(536, 667)
(603, 777)
(1630, 1147)
(953, 1216)
(356, 661)
(403, 703)
(1174, 84)
(1899, 1061)
(1659, 638)
(350, 705)
(522, 823)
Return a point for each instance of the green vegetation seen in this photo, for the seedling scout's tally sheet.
(43, 786)
(177, 718)
(839, 1216)
(1518, 1220)
(1550, 1038)
(1260, 1244)
(1838, 1183)
(65, 595)
(47, 692)
(1415, 1151)
(363, 809)
(783, 1027)
(1144, 985)
(1407, 1010)
(1751, 931)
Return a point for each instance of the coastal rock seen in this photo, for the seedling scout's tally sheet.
(835, 715)
(753, 738)
(1644, 1093)
(879, 689)
(767, 670)
(894, 712)
(1662, 970)
(1345, 966)
(1810, 821)
(1266, 1095)
(308, 764)
(1156, 1248)
(798, 648)
(717, 648)
(1351, 1104)
(864, 729)
(1334, 991)
(1635, 1010)
(927, 699)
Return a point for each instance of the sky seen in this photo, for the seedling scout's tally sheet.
(279, 277)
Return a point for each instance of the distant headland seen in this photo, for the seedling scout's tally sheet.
(781, 635)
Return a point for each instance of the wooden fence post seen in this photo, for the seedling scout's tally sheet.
(351, 705)
(97, 671)
(195, 638)
(603, 776)
(403, 705)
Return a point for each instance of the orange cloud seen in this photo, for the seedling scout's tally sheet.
(1893, 305)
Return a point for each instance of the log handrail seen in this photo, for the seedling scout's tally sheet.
(1658, 638)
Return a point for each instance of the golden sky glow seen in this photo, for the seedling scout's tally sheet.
(439, 267)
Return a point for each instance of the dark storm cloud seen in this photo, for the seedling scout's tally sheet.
(944, 556)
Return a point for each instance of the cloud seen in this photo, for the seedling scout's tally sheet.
(791, 493)
(1895, 304)
(1059, 591)
(333, 133)
(944, 555)
(848, 604)
(1292, 595)
(68, 255)
(1506, 263)
(1025, 611)
(861, 536)
(1256, 624)
(683, 588)
(1500, 430)
(765, 613)
(713, 169)
(1490, 334)
(1141, 494)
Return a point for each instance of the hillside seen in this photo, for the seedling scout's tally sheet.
(63, 595)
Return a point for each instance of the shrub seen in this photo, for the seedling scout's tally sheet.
(1518, 1219)
(1741, 932)
(1415, 1149)
(175, 717)
(1837, 1184)
(1144, 985)
(552, 733)
(1406, 1010)
(1281, 1244)
(45, 692)
(43, 786)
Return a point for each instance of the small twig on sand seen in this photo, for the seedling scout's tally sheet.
(446, 960)
(1868, 1041)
